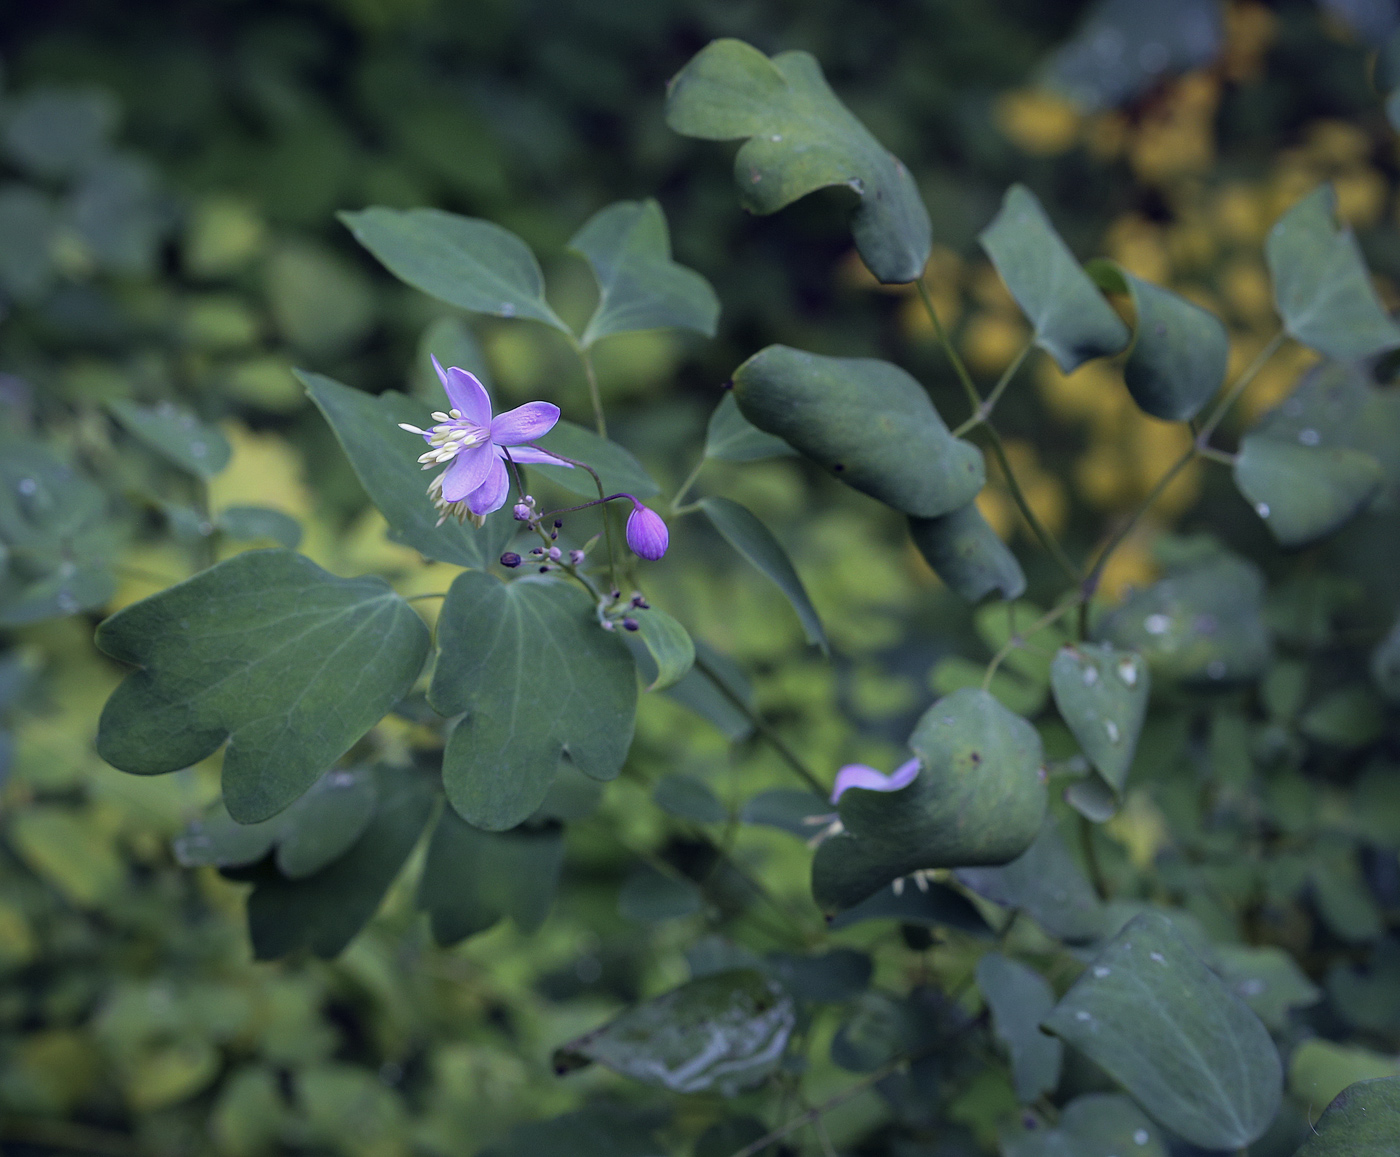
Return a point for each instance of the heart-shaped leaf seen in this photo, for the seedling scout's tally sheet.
(1304, 492)
(756, 543)
(967, 554)
(176, 435)
(1362, 1121)
(1094, 1125)
(1102, 695)
(1321, 286)
(801, 138)
(979, 798)
(537, 678)
(1152, 1015)
(639, 286)
(663, 648)
(472, 264)
(472, 879)
(733, 438)
(726, 1031)
(1072, 321)
(619, 471)
(1180, 351)
(1020, 998)
(866, 421)
(289, 664)
(385, 460)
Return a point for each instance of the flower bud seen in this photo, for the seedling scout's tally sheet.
(646, 533)
(510, 559)
(555, 554)
(630, 624)
(522, 512)
(576, 557)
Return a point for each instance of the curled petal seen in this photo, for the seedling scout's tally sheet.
(858, 775)
(465, 393)
(534, 456)
(524, 423)
(468, 471)
(491, 494)
(646, 533)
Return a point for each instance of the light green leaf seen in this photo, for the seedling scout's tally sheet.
(1094, 1125)
(978, 799)
(1102, 695)
(290, 664)
(619, 471)
(537, 678)
(1180, 351)
(472, 879)
(996, 625)
(866, 421)
(1020, 998)
(1321, 1070)
(667, 651)
(688, 798)
(733, 438)
(251, 523)
(1072, 321)
(1152, 1015)
(322, 304)
(1362, 1121)
(1304, 492)
(472, 264)
(1268, 980)
(967, 554)
(639, 286)
(726, 1031)
(756, 543)
(801, 138)
(385, 460)
(649, 896)
(1321, 286)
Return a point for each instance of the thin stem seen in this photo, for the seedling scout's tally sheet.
(969, 387)
(818, 1111)
(594, 395)
(1091, 854)
(434, 595)
(1232, 395)
(765, 729)
(1018, 640)
(1214, 455)
(602, 498)
(1038, 528)
(686, 485)
(984, 409)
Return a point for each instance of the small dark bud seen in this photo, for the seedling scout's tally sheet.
(630, 624)
(545, 569)
(558, 522)
(510, 559)
(538, 550)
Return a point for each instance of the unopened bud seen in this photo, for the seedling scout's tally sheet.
(630, 624)
(555, 554)
(510, 559)
(646, 532)
(576, 557)
(522, 512)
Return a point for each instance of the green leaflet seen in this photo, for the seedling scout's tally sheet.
(536, 678)
(1072, 321)
(385, 461)
(866, 421)
(967, 554)
(598, 1130)
(755, 542)
(176, 435)
(714, 697)
(1321, 286)
(1180, 351)
(662, 647)
(253, 523)
(472, 879)
(620, 472)
(1020, 998)
(801, 138)
(640, 287)
(472, 264)
(1102, 696)
(733, 438)
(726, 1031)
(1156, 1019)
(1362, 1121)
(978, 799)
(1094, 1125)
(290, 664)
(688, 798)
(649, 896)
(1304, 492)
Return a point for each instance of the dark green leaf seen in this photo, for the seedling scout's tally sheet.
(601, 1130)
(866, 421)
(1020, 998)
(290, 664)
(1321, 286)
(1266, 979)
(1363, 1121)
(688, 798)
(322, 825)
(537, 678)
(733, 438)
(1102, 695)
(1349, 717)
(256, 522)
(667, 652)
(967, 554)
(716, 697)
(385, 460)
(800, 813)
(1180, 351)
(801, 138)
(215, 839)
(1156, 1019)
(979, 798)
(452, 341)
(756, 543)
(1094, 1125)
(1369, 999)
(726, 1032)
(650, 896)
(828, 978)
(1385, 664)
(875, 1032)
(639, 286)
(59, 132)
(727, 1137)
(925, 904)
(472, 879)
(620, 472)
(472, 264)
(27, 224)
(1304, 492)
(1072, 321)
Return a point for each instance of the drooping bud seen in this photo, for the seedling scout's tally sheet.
(576, 557)
(510, 559)
(646, 532)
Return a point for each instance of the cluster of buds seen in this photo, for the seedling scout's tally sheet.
(616, 610)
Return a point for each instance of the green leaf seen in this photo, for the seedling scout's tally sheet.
(726, 1032)
(828, 978)
(688, 798)
(1032, 657)
(876, 1031)
(800, 813)
(716, 699)
(1349, 717)
(472, 879)
(385, 460)
(1304, 492)
(28, 221)
(600, 1130)
(668, 653)
(1321, 286)
(1152, 1015)
(1020, 998)
(290, 664)
(176, 435)
(452, 341)
(756, 543)
(979, 798)
(731, 437)
(252, 523)
(472, 264)
(926, 905)
(866, 421)
(1321, 1070)
(1385, 664)
(639, 286)
(801, 138)
(620, 472)
(1094, 1125)
(1268, 980)
(967, 554)
(59, 132)
(1102, 695)
(1072, 321)
(1363, 1121)
(649, 896)
(1180, 351)
(537, 678)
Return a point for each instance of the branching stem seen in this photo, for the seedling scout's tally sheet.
(1019, 639)
(816, 1112)
(686, 485)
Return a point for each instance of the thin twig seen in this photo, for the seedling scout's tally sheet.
(974, 397)
(686, 485)
(1232, 395)
(984, 409)
(1018, 640)
(594, 395)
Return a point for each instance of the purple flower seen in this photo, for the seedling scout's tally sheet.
(646, 533)
(471, 441)
(858, 775)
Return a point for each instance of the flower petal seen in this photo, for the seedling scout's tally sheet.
(491, 494)
(468, 471)
(858, 775)
(524, 423)
(465, 393)
(533, 456)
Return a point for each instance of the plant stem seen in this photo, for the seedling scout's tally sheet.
(1091, 854)
(984, 409)
(686, 485)
(594, 395)
(1041, 532)
(434, 595)
(973, 396)
(602, 499)
(1018, 640)
(1232, 395)
(1214, 455)
(817, 1111)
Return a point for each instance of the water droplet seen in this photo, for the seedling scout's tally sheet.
(1158, 957)
(1309, 437)
(1140, 1137)
(67, 570)
(1082, 1015)
(1101, 971)
(198, 449)
(66, 602)
(507, 309)
(1157, 624)
(27, 486)
(1252, 987)
(1216, 668)
(1111, 730)
(1127, 671)
(1261, 509)
(776, 137)
(1091, 676)
(341, 779)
